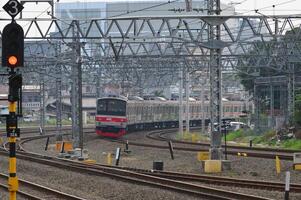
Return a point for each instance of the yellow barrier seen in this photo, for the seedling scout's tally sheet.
(203, 155)
(67, 146)
(194, 137)
(109, 159)
(90, 161)
(297, 167)
(278, 167)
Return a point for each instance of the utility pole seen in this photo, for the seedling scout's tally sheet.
(98, 77)
(42, 99)
(271, 124)
(187, 100)
(74, 92)
(215, 80)
(203, 83)
(80, 93)
(78, 135)
(181, 102)
(291, 93)
(188, 5)
(58, 86)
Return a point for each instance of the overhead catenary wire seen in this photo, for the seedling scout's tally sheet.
(264, 7)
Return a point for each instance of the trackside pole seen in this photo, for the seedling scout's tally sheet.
(117, 156)
(47, 142)
(287, 185)
(171, 149)
(11, 131)
(14, 98)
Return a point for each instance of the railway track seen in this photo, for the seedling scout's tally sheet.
(35, 129)
(201, 178)
(136, 177)
(171, 176)
(258, 152)
(161, 137)
(32, 190)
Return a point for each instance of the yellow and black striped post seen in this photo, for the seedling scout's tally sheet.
(13, 184)
(12, 133)
(14, 99)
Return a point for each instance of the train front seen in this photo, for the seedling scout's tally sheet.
(110, 117)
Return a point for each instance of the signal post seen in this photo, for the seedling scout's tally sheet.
(13, 57)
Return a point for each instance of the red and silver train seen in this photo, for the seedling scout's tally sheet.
(116, 116)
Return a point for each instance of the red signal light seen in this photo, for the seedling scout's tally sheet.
(12, 60)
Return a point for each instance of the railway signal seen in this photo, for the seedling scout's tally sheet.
(12, 57)
(13, 45)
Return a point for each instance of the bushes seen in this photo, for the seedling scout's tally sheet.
(239, 134)
(268, 138)
(234, 135)
(292, 144)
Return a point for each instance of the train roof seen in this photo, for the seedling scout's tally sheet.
(123, 98)
(114, 97)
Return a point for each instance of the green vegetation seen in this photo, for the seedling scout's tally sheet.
(191, 136)
(268, 138)
(292, 144)
(240, 135)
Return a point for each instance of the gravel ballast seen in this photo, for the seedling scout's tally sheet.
(92, 187)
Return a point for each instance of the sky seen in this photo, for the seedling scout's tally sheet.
(246, 7)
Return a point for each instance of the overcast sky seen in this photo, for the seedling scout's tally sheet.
(246, 7)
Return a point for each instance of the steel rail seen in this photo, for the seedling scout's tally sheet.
(161, 136)
(179, 186)
(258, 152)
(269, 153)
(23, 194)
(256, 184)
(44, 190)
(207, 179)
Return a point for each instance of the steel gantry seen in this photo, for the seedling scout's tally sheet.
(209, 39)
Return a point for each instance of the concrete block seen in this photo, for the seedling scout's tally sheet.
(226, 165)
(213, 166)
(158, 165)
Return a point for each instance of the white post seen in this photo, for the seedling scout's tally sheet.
(85, 120)
(187, 102)
(181, 103)
(287, 185)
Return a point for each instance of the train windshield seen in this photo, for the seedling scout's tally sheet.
(111, 107)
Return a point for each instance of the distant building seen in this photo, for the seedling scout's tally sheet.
(31, 98)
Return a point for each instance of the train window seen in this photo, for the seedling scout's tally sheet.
(101, 107)
(111, 107)
(235, 109)
(116, 107)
